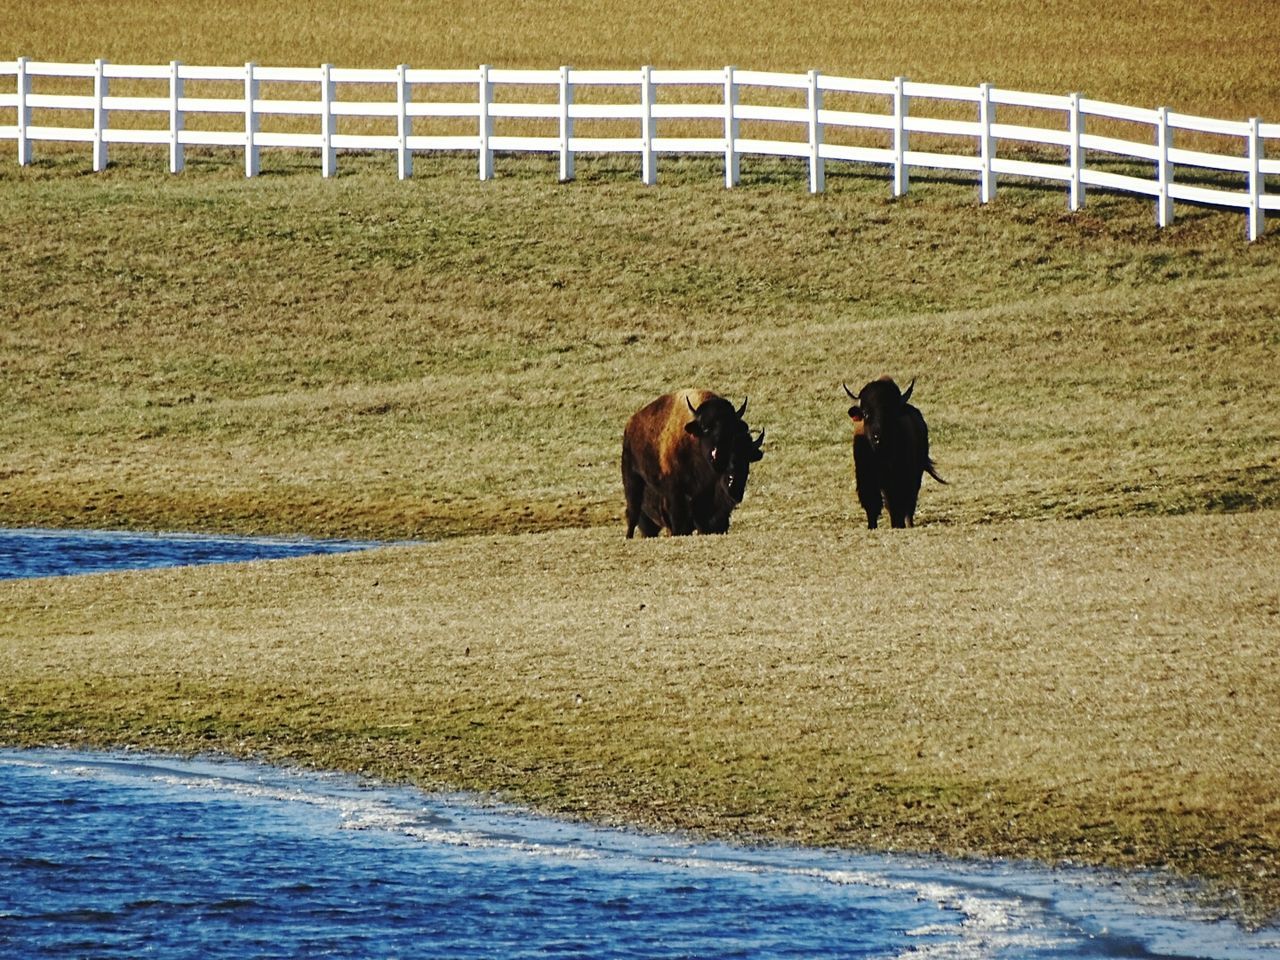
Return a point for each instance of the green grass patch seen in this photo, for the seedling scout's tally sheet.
(375, 358)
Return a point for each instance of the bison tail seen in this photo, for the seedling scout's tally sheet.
(932, 470)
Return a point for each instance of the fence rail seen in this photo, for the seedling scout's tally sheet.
(812, 117)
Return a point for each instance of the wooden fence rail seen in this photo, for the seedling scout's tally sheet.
(812, 117)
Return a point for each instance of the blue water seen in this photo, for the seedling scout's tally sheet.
(48, 553)
(39, 553)
(125, 855)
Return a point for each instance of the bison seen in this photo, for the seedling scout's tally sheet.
(890, 451)
(685, 460)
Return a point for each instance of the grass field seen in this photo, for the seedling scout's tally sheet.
(365, 357)
(1215, 58)
(1071, 657)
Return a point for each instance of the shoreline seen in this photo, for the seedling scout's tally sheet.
(609, 703)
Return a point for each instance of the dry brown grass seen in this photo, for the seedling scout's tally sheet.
(1101, 691)
(1217, 58)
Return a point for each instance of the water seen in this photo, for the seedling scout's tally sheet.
(125, 855)
(48, 553)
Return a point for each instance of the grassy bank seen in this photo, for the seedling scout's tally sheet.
(1099, 691)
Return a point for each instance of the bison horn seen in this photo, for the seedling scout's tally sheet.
(690, 403)
(852, 395)
(910, 386)
(760, 440)
(742, 409)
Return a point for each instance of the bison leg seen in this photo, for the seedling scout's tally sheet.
(710, 515)
(679, 516)
(872, 503)
(902, 504)
(717, 524)
(648, 526)
(909, 508)
(636, 491)
(897, 512)
(871, 498)
(652, 517)
(867, 480)
(896, 502)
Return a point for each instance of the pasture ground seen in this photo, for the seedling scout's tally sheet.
(1073, 656)
(1096, 691)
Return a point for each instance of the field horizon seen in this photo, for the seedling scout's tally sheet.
(1213, 60)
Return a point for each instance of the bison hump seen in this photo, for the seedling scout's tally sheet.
(655, 439)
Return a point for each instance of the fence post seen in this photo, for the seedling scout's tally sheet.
(566, 125)
(648, 169)
(177, 159)
(250, 121)
(1257, 217)
(1075, 130)
(100, 119)
(24, 113)
(486, 123)
(404, 124)
(731, 167)
(900, 106)
(328, 157)
(987, 143)
(817, 171)
(1164, 170)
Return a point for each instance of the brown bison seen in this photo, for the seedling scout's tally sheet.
(890, 451)
(685, 460)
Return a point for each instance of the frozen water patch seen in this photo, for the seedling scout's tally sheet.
(29, 552)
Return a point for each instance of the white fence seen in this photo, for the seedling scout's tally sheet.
(813, 127)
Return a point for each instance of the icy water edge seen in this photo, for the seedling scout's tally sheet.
(121, 855)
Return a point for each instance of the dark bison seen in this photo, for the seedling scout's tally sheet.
(890, 451)
(685, 460)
